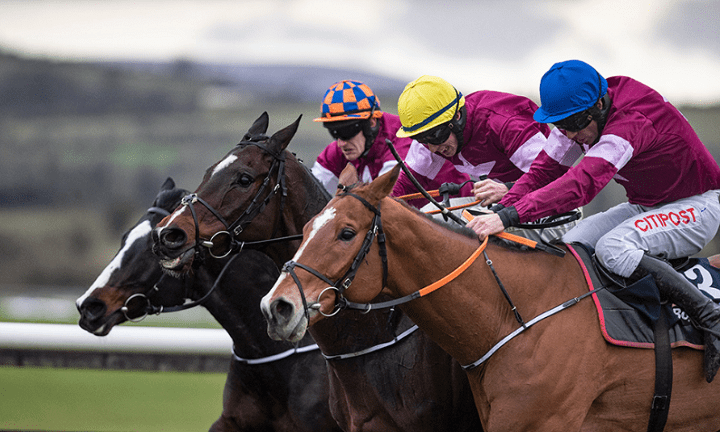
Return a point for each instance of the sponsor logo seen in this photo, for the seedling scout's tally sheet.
(661, 220)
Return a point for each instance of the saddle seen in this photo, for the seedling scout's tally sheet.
(628, 311)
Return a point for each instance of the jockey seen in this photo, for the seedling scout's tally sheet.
(628, 132)
(486, 134)
(350, 111)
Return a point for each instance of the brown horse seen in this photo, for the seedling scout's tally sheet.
(375, 384)
(559, 374)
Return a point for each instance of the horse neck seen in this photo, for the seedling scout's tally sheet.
(471, 308)
(306, 198)
(234, 304)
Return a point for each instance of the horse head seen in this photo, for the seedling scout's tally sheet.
(258, 184)
(119, 292)
(338, 250)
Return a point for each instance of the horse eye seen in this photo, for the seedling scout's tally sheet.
(346, 234)
(245, 180)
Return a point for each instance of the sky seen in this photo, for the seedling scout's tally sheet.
(505, 45)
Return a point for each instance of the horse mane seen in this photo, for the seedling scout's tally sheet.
(467, 232)
(506, 244)
(317, 187)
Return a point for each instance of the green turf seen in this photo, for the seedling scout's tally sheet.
(101, 400)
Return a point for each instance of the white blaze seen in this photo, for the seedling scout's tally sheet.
(138, 233)
(318, 223)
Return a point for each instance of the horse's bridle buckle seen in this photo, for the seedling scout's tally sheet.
(189, 199)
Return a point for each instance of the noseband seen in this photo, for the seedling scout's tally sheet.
(151, 309)
(343, 283)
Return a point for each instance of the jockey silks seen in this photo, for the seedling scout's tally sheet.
(501, 141)
(647, 146)
(379, 160)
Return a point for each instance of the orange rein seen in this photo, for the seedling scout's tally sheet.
(434, 194)
(446, 279)
(455, 273)
(366, 307)
(507, 236)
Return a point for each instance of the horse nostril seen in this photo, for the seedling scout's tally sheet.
(283, 310)
(92, 309)
(173, 238)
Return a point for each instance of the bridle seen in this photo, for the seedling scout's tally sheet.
(344, 282)
(150, 308)
(228, 236)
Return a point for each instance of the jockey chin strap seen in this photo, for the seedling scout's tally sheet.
(344, 282)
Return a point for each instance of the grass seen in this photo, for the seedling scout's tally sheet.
(97, 400)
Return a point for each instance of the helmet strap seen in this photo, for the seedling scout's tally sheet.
(457, 126)
(600, 115)
(370, 132)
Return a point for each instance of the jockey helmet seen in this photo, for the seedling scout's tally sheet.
(427, 102)
(349, 100)
(346, 110)
(568, 88)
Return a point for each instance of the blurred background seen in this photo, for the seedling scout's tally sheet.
(101, 101)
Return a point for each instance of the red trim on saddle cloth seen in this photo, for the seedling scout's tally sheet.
(601, 316)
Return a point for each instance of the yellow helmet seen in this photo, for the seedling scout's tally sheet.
(427, 102)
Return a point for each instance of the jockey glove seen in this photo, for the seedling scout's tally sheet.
(509, 216)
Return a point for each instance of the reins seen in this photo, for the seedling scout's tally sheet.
(421, 292)
(151, 309)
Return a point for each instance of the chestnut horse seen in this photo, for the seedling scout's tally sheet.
(269, 385)
(559, 374)
(375, 384)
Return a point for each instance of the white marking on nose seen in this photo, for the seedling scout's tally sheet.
(138, 233)
(173, 217)
(320, 221)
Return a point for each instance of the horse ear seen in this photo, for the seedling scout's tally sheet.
(280, 139)
(260, 126)
(383, 185)
(348, 176)
(169, 184)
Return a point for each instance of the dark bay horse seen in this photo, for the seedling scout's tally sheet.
(560, 374)
(411, 385)
(268, 387)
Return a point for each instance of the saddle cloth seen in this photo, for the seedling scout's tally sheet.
(626, 314)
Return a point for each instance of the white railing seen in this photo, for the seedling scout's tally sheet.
(131, 339)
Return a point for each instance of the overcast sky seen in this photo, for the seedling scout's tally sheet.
(671, 45)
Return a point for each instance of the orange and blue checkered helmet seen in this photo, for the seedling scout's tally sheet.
(349, 100)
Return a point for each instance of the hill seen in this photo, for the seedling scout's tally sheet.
(86, 146)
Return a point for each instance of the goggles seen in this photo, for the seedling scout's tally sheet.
(435, 136)
(343, 130)
(575, 122)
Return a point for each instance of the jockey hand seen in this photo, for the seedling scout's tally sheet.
(486, 225)
(488, 191)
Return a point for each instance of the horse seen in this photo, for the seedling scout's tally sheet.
(559, 374)
(270, 385)
(383, 376)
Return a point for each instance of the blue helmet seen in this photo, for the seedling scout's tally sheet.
(569, 87)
